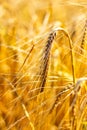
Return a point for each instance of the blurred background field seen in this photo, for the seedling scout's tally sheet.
(25, 26)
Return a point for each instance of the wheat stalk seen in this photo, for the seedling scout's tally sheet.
(22, 105)
(16, 80)
(59, 95)
(76, 89)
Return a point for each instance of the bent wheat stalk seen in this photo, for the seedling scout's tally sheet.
(45, 60)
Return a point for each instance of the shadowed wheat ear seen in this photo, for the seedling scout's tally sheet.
(84, 36)
(46, 52)
(45, 61)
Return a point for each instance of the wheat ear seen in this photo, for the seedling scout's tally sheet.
(44, 66)
(84, 36)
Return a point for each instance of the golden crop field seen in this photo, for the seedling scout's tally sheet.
(43, 64)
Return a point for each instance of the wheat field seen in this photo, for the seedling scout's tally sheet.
(43, 65)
